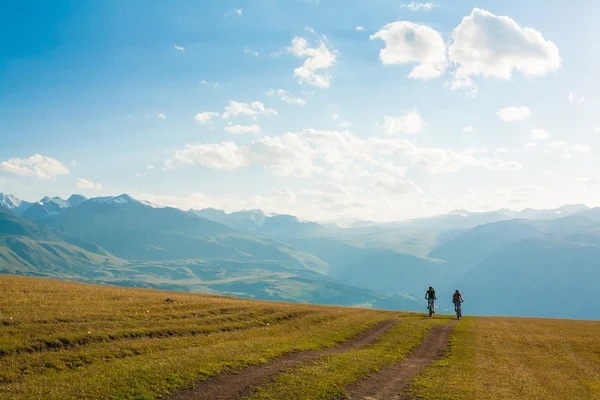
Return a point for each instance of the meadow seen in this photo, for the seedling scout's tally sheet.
(65, 340)
(516, 358)
(68, 340)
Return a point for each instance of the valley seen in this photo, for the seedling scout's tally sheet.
(538, 262)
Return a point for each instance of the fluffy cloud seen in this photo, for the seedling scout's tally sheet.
(254, 128)
(407, 42)
(286, 97)
(574, 98)
(335, 154)
(565, 150)
(206, 117)
(539, 134)
(236, 108)
(588, 182)
(344, 125)
(224, 155)
(317, 58)
(284, 194)
(494, 46)
(360, 29)
(87, 184)
(161, 116)
(394, 185)
(410, 124)
(438, 160)
(180, 48)
(37, 165)
(417, 6)
(513, 113)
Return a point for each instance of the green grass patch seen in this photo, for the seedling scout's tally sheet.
(516, 358)
(328, 377)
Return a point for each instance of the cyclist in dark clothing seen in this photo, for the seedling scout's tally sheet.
(430, 296)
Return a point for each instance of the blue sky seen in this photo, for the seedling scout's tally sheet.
(108, 97)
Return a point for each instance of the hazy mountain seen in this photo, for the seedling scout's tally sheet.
(28, 248)
(14, 204)
(260, 222)
(134, 231)
(470, 247)
(536, 277)
(49, 206)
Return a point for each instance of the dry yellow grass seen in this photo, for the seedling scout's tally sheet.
(516, 358)
(64, 340)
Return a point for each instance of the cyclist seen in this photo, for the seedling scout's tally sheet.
(430, 296)
(457, 299)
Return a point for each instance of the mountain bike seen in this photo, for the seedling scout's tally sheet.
(458, 306)
(431, 306)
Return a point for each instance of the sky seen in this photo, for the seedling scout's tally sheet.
(331, 109)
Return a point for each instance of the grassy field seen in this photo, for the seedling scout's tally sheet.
(63, 340)
(516, 358)
(327, 378)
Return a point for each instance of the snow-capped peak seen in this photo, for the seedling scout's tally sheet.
(9, 201)
(123, 199)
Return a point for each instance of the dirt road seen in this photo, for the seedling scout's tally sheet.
(234, 385)
(392, 382)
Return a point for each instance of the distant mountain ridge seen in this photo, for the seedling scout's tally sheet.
(121, 240)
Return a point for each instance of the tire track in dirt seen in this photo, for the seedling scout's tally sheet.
(392, 383)
(235, 385)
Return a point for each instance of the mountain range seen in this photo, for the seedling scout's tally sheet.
(505, 262)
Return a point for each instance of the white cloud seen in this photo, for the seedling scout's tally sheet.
(468, 129)
(206, 117)
(564, 150)
(335, 154)
(588, 181)
(395, 186)
(407, 42)
(251, 52)
(344, 125)
(539, 134)
(309, 29)
(513, 113)
(494, 46)
(224, 155)
(566, 156)
(284, 194)
(335, 116)
(392, 169)
(254, 128)
(286, 97)
(409, 124)
(418, 6)
(597, 129)
(87, 184)
(318, 58)
(180, 48)
(161, 116)
(574, 98)
(247, 109)
(150, 166)
(360, 29)
(37, 165)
